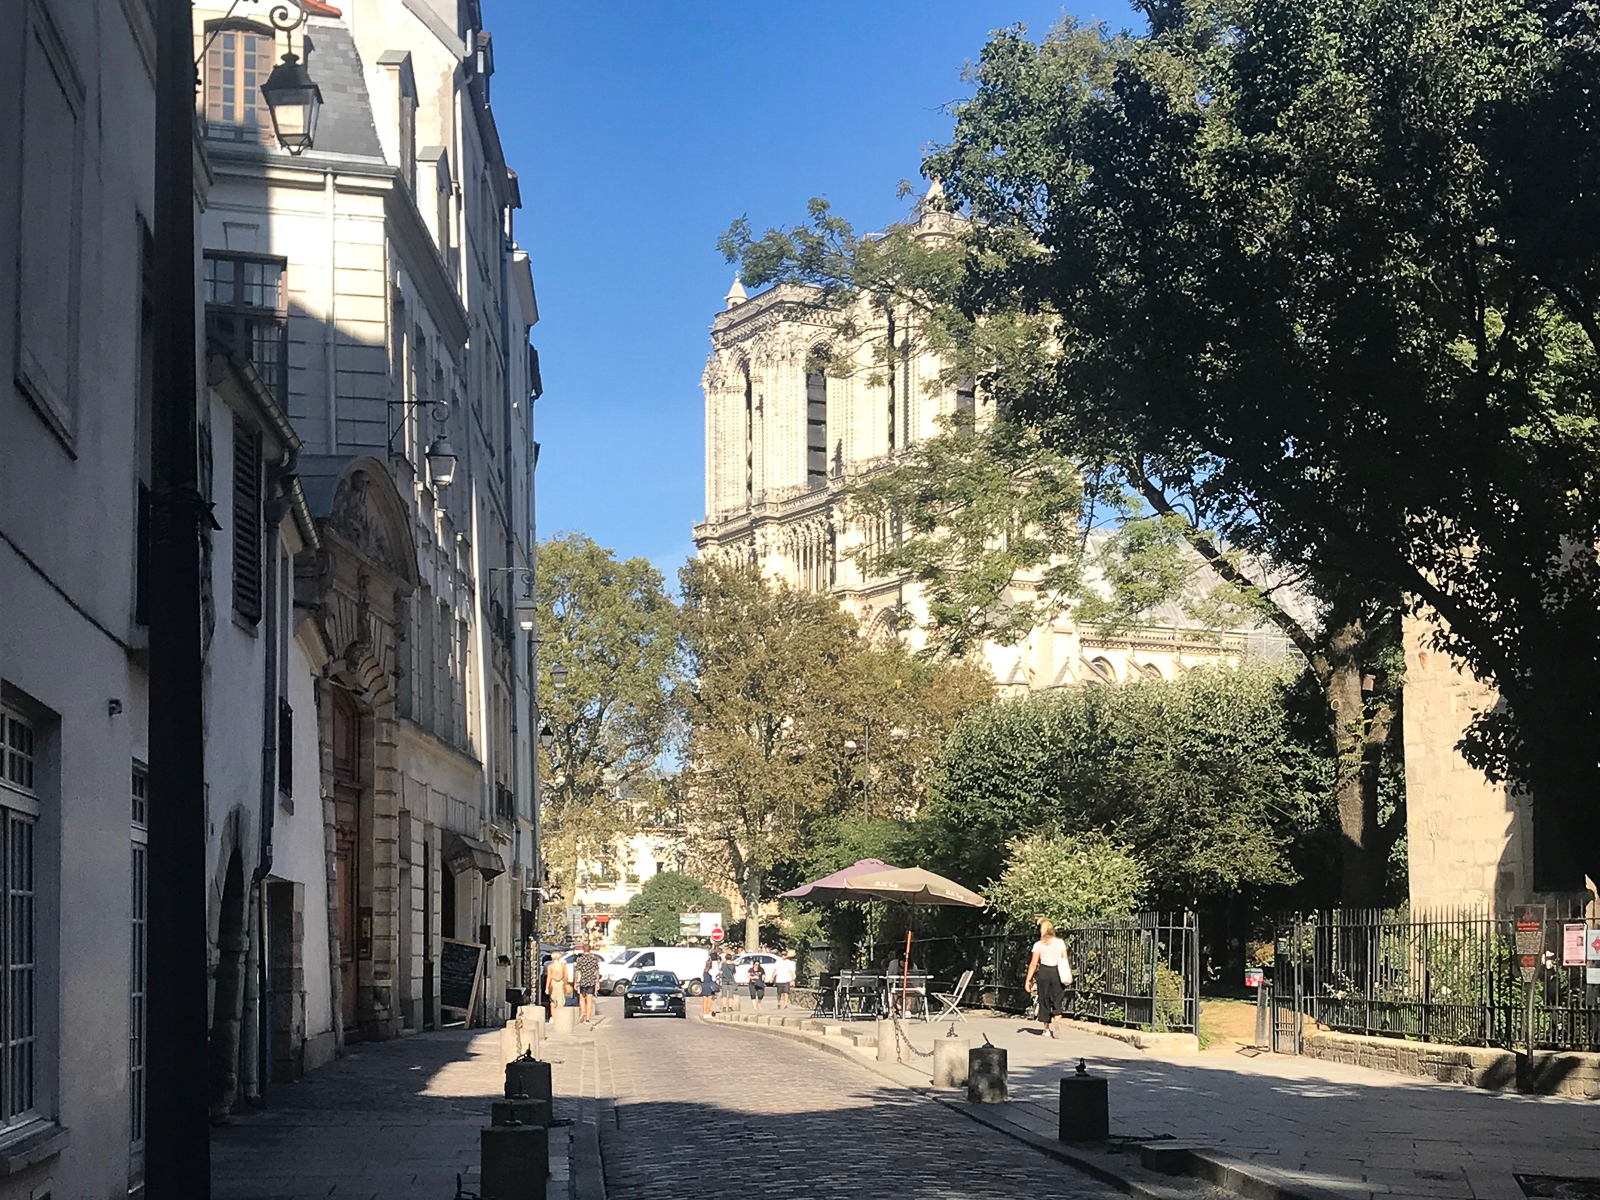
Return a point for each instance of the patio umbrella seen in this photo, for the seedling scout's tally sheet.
(837, 886)
(913, 886)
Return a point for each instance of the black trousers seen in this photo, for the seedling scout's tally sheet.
(1051, 993)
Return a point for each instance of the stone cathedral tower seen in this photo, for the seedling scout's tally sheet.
(785, 438)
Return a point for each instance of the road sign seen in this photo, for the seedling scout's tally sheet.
(716, 934)
(708, 922)
(1572, 948)
(1530, 939)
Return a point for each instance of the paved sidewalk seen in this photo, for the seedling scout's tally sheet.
(392, 1120)
(1343, 1129)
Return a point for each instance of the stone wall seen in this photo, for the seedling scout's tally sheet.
(1469, 841)
(1574, 1075)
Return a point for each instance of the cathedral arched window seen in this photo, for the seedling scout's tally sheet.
(749, 438)
(816, 421)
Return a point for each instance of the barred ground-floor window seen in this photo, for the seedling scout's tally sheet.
(19, 813)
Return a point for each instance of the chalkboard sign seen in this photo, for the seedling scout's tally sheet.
(460, 971)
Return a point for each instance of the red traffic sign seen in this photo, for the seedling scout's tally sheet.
(716, 934)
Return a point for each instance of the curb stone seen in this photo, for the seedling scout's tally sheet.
(1210, 1168)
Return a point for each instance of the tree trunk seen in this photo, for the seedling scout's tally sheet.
(1355, 786)
(752, 909)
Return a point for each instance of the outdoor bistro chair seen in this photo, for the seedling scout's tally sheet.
(950, 1002)
(863, 995)
(915, 987)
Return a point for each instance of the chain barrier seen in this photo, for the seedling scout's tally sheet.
(901, 1037)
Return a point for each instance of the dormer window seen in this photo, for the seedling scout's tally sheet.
(239, 57)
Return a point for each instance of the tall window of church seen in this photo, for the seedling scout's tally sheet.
(238, 62)
(749, 440)
(966, 404)
(816, 429)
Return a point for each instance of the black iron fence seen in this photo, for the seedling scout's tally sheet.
(1143, 972)
(1451, 977)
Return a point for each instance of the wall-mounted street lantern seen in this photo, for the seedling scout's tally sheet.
(294, 101)
(440, 455)
(558, 677)
(547, 737)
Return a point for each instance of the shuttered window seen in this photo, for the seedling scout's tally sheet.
(246, 522)
(816, 429)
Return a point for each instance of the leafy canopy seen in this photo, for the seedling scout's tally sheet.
(651, 917)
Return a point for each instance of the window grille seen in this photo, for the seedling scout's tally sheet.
(138, 958)
(18, 996)
(246, 314)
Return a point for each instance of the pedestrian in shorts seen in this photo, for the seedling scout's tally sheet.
(783, 976)
(587, 968)
(758, 982)
(727, 971)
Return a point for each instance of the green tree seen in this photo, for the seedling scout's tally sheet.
(651, 917)
(994, 515)
(766, 732)
(614, 629)
(1335, 269)
(1199, 777)
(794, 719)
(1068, 878)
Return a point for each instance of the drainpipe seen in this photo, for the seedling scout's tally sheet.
(257, 1063)
(516, 883)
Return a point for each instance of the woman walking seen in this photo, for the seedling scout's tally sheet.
(1048, 970)
(758, 982)
(708, 984)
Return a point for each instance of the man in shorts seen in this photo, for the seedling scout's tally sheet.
(587, 967)
(783, 975)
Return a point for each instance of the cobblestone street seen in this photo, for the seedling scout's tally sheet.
(710, 1113)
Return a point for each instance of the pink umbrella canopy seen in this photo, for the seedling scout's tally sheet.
(837, 885)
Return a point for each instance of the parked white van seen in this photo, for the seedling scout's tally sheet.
(686, 962)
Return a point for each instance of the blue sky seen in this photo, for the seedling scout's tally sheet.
(639, 131)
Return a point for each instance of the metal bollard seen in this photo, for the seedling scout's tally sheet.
(528, 1077)
(1085, 1114)
(886, 1046)
(950, 1061)
(514, 1161)
(986, 1075)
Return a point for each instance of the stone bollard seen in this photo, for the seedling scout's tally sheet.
(510, 1042)
(514, 1161)
(886, 1046)
(1085, 1110)
(986, 1075)
(950, 1061)
(564, 1020)
(521, 1111)
(529, 1078)
(530, 1021)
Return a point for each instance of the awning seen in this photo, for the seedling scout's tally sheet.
(463, 854)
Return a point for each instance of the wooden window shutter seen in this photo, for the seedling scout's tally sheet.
(247, 522)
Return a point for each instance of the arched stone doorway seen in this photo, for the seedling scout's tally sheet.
(358, 587)
(227, 1002)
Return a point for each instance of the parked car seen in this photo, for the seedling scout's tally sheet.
(741, 966)
(654, 994)
(685, 962)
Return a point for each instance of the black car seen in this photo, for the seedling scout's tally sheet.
(654, 994)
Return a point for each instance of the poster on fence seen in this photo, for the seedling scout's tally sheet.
(1572, 947)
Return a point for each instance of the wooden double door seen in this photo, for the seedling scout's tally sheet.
(348, 788)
